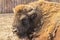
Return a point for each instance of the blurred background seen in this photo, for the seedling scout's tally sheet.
(7, 5)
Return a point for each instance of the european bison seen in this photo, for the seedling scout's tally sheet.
(27, 21)
(38, 20)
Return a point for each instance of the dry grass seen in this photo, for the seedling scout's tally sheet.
(6, 27)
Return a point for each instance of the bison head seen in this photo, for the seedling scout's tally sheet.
(27, 20)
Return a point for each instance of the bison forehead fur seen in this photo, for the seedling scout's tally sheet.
(26, 20)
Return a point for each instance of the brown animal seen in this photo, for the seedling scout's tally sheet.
(38, 20)
(26, 20)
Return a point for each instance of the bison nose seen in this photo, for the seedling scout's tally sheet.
(14, 29)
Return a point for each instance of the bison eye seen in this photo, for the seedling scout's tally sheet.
(33, 16)
(25, 21)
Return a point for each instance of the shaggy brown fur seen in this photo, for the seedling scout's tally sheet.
(33, 16)
(27, 21)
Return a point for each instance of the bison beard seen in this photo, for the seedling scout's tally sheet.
(26, 26)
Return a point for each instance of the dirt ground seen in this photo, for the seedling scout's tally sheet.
(6, 28)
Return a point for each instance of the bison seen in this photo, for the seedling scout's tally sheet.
(38, 20)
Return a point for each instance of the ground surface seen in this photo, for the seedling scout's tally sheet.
(6, 28)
